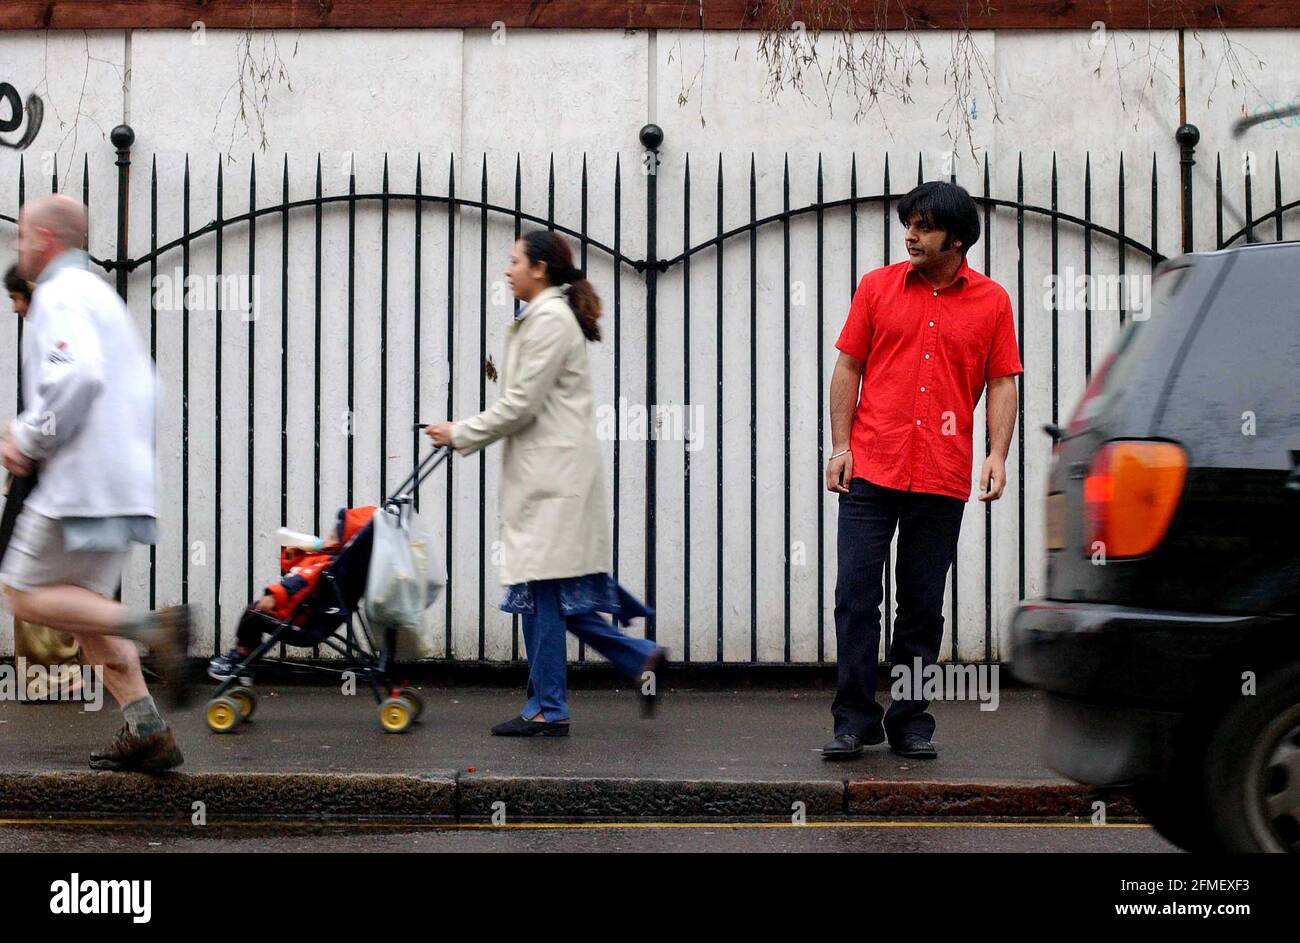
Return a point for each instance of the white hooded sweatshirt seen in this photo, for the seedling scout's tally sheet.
(88, 392)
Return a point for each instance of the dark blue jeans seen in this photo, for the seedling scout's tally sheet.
(544, 640)
(928, 525)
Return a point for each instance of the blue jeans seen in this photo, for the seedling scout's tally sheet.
(544, 641)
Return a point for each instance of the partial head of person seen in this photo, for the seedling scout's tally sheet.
(941, 223)
(48, 226)
(542, 259)
(19, 289)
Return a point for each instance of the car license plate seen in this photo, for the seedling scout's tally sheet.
(1056, 521)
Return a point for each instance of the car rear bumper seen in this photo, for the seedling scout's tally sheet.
(1104, 745)
(1119, 680)
(1121, 655)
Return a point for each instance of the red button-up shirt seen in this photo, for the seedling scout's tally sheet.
(929, 353)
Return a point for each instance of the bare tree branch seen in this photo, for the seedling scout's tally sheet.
(259, 67)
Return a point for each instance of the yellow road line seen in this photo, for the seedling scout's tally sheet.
(487, 826)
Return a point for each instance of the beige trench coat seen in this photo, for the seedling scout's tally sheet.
(554, 516)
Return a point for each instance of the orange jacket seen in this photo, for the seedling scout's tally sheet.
(298, 581)
(302, 569)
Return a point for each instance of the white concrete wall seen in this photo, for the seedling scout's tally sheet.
(354, 99)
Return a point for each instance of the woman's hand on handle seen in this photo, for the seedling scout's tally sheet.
(439, 433)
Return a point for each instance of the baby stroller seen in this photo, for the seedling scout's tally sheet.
(330, 614)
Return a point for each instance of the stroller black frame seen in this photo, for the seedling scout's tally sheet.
(234, 700)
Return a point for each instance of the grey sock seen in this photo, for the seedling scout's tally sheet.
(142, 717)
(136, 625)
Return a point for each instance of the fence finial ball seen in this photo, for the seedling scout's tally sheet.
(122, 136)
(1187, 135)
(651, 137)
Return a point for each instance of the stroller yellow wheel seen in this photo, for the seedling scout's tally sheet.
(416, 702)
(223, 715)
(395, 715)
(246, 698)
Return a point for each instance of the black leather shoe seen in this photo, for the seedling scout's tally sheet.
(848, 745)
(914, 747)
(518, 727)
(844, 747)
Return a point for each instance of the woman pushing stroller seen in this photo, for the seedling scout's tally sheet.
(554, 517)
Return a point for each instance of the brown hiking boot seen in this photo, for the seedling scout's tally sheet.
(152, 754)
(169, 645)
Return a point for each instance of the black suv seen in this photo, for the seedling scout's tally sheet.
(1168, 639)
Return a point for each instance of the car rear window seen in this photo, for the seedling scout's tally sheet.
(1145, 329)
(1236, 396)
(1136, 338)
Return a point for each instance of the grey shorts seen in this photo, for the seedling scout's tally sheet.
(36, 557)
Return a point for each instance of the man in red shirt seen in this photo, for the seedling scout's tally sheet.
(922, 340)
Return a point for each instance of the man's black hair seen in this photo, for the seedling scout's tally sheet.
(16, 283)
(943, 206)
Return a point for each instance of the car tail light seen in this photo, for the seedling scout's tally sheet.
(1130, 494)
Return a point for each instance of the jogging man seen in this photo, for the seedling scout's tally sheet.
(87, 435)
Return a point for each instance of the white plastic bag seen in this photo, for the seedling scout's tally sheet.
(419, 641)
(395, 586)
(428, 559)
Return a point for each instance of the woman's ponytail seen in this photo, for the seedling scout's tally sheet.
(544, 245)
(586, 307)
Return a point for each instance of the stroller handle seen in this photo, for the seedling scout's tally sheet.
(406, 490)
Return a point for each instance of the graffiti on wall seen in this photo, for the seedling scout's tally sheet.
(34, 111)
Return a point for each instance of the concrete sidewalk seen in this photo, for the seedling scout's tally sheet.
(311, 751)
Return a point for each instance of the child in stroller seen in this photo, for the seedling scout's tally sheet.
(301, 570)
(317, 602)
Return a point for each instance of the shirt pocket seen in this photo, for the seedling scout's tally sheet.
(965, 343)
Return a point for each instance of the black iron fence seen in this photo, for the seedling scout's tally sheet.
(971, 629)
